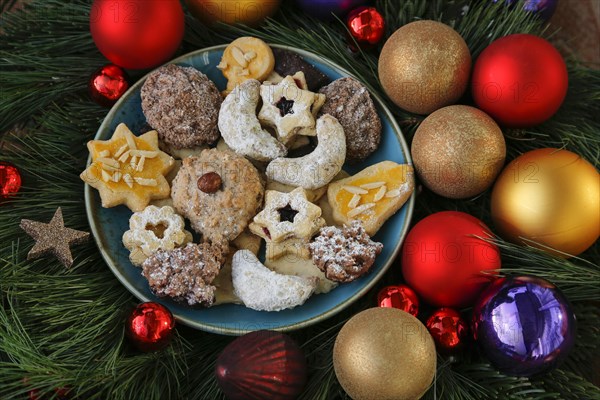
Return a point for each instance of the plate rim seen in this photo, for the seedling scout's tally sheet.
(284, 328)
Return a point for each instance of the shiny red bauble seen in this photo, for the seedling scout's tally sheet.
(10, 180)
(150, 326)
(520, 80)
(399, 296)
(366, 25)
(137, 34)
(107, 84)
(262, 365)
(444, 259)
(448, 329)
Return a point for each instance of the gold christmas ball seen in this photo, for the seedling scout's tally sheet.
(249, 12)
(458, 151)
(551, 197)
(424, 66)
(384, 354)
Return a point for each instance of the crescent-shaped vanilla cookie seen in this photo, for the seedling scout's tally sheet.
(318, 168)
(240, 127)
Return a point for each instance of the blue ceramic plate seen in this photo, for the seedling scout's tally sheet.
(109, 224)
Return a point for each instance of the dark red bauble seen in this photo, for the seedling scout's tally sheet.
(444, 259)
(262, 365)
(107, 84)
(137, 34)
(10, 180)
(448, 329)
(520, 80)
(366, 25)
(399, 296)
(150, 326)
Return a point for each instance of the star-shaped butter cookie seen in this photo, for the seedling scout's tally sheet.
(53, 238)
(128, 169)
(287, 222)
(287, 108)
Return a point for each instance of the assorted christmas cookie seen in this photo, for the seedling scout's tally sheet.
(344, 254)
(240, 127)
(349, 102)
(286, 108)
(287, 222)
(185, 274)
(219, 192)
(128, 170)
(318, 168)
(288, 63)
(246, 58)
(261, 289)
(182, 104)
(299, 265)
(154, 229)
(371, 196)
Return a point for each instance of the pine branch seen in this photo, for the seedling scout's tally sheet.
(65, 327)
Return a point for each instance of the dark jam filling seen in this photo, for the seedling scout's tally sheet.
(287, 213)
(285, 106)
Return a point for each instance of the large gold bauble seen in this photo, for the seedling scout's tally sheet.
(424, 66)
(384, 354)
(549, 196)
(249, 12)
(458, 151)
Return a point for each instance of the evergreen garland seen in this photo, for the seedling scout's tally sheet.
(64, 328)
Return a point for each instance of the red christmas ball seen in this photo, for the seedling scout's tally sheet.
(448, 329)
(107, 84)
(10, 180)
(444, 259)
(366, 25)
(137, 34)
(150, 326)
(262, 365)
(399, 296)
(520, 80)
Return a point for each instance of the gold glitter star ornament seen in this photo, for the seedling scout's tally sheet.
(128, 169)
(53, 238)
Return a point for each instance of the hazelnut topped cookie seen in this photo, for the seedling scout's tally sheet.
(219, 192)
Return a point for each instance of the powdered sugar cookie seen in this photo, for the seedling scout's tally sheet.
(240, 128)
(261, 289)
(318, 168)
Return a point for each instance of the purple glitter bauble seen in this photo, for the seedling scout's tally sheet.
(322, 9)
(524, 325)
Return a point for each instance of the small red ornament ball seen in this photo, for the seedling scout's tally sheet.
(262, 365)
(137, 34)
(150, 326)
(448, 329)
(107, 84)
(399, 296)
(366, 25)
(10, 180)
(520, 80)
(443, 258)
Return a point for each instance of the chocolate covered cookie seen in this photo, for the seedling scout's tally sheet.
(288, 63)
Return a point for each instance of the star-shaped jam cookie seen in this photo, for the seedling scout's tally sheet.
(53, 238)
(287, 108)
(128, 169)
(287, 222)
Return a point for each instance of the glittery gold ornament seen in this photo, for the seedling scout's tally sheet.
(551, 197)
(384, 354)
(458, 151)
(424, 66)
(249, 12)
